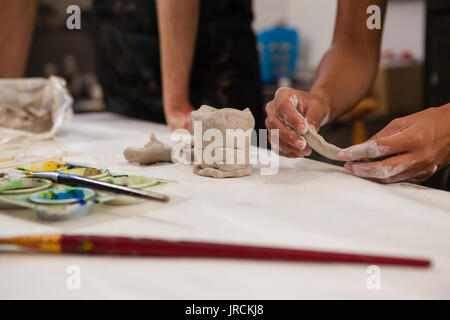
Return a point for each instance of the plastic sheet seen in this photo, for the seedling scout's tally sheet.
(33, 108)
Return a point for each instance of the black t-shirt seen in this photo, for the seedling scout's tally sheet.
(225, 71)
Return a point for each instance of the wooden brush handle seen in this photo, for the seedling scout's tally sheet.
(150, 247)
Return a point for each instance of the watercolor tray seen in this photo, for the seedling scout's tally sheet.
(25, 197)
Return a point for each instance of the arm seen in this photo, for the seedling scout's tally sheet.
(177, 24)
(343, 78)
(16, 29)
(348, 69)
(409, 148)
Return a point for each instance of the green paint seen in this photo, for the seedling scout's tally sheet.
(133, 180)
(128, 180)
(11, 185)
(109, 180)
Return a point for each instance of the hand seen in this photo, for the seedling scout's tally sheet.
(179, 117)
(287, 112)
(418, 146)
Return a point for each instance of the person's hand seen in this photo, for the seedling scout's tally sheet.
(417, 145)
(179, 117)
(287, 112)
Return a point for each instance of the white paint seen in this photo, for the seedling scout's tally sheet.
(380, 172)
(301, 141)
(294, 101)
(325, 119)
(369, 149)
(434, 169)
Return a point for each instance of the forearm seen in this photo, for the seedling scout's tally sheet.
(16, 30)
(344, 77)
(177, 23)
(348, 69)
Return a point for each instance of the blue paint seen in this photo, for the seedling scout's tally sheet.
(68, 193)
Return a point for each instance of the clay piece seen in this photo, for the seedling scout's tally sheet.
(318, 144)
(218, 173)
(33, 107)
(230, 157)
(222, 119)
(25, 118)
(153, 151)
(314, 139)
(241, 123)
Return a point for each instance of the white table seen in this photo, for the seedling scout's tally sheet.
(308, 204)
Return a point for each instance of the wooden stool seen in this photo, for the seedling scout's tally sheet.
(356, 116)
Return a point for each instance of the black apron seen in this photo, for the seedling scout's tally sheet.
(225, 71)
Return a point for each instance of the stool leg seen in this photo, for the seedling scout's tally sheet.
(359, 132)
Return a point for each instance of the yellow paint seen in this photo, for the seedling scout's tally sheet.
(47, 166)
(46, 194)
(76, 171)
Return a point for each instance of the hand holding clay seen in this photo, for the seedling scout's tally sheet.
(179, 117)
(418, 145)
(285, 112)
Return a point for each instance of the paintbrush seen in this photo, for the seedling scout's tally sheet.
(123, 246)
(71, 179)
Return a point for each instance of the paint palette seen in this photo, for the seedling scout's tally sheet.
(23, 185)
(58, 203)
(66, 212)
(131, 181)
(53, 201)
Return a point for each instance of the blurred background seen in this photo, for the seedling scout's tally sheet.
(293, 35)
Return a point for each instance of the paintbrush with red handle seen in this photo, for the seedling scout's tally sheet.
(122, 246)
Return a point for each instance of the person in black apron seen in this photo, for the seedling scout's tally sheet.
(225, 67)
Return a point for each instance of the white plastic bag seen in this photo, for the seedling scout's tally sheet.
(33, 108)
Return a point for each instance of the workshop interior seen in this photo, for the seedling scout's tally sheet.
(412, 74)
